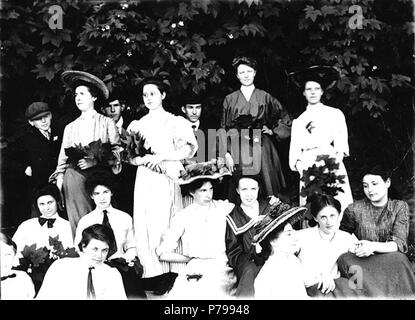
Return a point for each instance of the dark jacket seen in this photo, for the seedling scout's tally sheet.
(239, 233)
(35, 150)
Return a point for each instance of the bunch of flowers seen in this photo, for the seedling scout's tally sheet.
(208, 168)
(102, 153)
(322, 177)
(36, 261)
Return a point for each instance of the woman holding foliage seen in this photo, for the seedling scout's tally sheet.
(320, 129)
(77, 159)
(163, 140)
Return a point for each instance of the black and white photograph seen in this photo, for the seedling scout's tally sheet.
(207, 154)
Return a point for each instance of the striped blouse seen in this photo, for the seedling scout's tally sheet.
(382, 224)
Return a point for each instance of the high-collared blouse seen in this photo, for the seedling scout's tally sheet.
(201, 230)
(31, 232)
(382, 224)
(165, 133)
(121, 223)
(88, 127)
(67, 278)
(321, 128)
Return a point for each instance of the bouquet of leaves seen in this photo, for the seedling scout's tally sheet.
(134, 145)
(36, 261)
(208, 168)
(322, 179)
(101, 152)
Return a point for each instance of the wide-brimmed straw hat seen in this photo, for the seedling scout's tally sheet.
(71, 77)
(213, 169)
(326, 76)
(280, 214)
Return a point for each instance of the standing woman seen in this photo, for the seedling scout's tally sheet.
(88, 127)
(267, 114)
(320, 129)
(168, 139)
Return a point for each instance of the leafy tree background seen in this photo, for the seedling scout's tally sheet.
(192, 43)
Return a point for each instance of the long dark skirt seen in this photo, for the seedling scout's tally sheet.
(254, 158)
(387, 275)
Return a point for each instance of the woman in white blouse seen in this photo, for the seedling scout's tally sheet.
(320, 129)
(90, 126)
(321, 246)
(201, 229)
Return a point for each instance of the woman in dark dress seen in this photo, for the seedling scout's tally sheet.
(254, 151)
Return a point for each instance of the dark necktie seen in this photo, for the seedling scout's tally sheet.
(106, 222)
(50, 222)
(13, 275)
(194, 127)
(90, 291)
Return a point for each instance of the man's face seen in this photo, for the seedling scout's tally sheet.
(42, 123)
(192, 111)
(114, 110)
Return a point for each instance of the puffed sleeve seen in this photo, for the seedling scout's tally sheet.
(400, 229)
(224, 113)
(116, 290)
(295, 152)
(280, 119)
(171, 237)
(52, 282)
(348, 222)
(183, 135)
(113, 134)
(66, 143)
(340, 139)
(78, 234)
(129, 241)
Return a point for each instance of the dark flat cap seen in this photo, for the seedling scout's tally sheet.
(37, 110)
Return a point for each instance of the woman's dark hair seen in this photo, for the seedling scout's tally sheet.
(98, 232)
(378, 170)
(95, 92)
(238, 177)
(100, 178)
(47, 190)
(318, 202)
(187, 189)
(158, 82)
(251, 62)
(8, 241)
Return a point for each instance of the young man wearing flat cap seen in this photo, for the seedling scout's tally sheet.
(36, 152)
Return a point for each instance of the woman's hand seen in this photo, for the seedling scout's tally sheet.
(364, 248)
(152, 161)
(86, 163)
(274, 200)
(267, 130)
(326, 284)
(129, 256)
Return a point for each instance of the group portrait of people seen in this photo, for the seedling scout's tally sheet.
(162, 206)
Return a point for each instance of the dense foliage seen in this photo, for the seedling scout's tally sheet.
(192, 43)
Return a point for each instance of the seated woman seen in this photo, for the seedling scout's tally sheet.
(282, 276)
(87, 276)
(15, 284)
(381, 225)
(320, 247)
(201, 229)
(240, 231)
(100, 186)
(48, 224)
